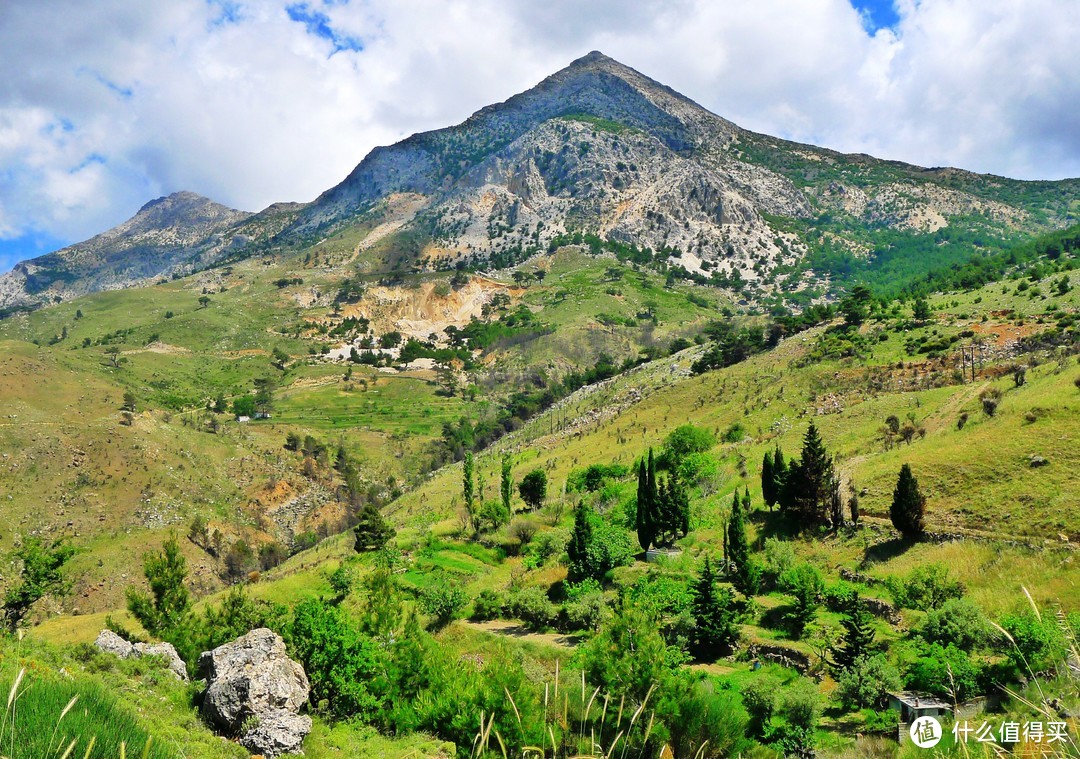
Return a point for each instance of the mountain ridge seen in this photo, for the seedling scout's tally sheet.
(595, 148)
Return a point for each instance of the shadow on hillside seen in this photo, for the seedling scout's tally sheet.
(773, 524)
(882, 552)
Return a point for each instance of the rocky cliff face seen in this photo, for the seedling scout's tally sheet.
(595, 148)
(177, 233)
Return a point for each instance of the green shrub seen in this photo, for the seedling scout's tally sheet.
(868, 682)
(443, 601)
(489, 604)
(533, 607)
(1035, 644)
(958, 621)
(927, 587)
(945, 671)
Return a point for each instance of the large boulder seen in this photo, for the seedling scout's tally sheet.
(255, 691)
(168, 652)
(111, 643)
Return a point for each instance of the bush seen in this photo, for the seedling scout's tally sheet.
(927, 587)
(587, 611)
(868, 682)
(759, 698)
(489, 604)
(1036, 644)
(958, 621)
(443, 601)
(945, 671)
(533, 607)
(685, 440)
(545, 545)
(736, 433)
(779, 556)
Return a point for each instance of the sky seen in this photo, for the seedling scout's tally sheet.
(107, 105)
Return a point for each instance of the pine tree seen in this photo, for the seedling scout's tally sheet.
(372, 531)
(858, 634)
(577, 550)
(808, 485)
(908, 505)
(714, 618)
(768, 481)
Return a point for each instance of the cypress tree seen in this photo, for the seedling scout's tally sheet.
(577, 550)
(779, 476)
(506, 484)
(643, 523)
(908, 505)
(768, 481)
(738, 550)
(655, 519)
(858, 634)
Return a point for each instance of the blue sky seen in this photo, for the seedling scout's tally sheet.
(107, 105)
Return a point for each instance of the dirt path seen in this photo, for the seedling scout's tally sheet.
(518, 631)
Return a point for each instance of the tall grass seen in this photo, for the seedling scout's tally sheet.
(579, 725)
(46, 718)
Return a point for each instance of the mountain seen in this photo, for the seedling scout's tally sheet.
(178, 233)
(598, 148)
(596, 153)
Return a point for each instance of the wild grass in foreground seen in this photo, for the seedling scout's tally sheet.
(44, 718)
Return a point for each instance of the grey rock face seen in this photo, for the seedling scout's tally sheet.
(111, 643)
(253, 677)
(168, 652)
(277, 732)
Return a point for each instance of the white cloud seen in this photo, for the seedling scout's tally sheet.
(106, 105)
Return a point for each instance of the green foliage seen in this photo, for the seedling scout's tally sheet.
(778, 556)
(687, 439)
(533, 607)
(443, 601)
(868, 682)
(489, 604)
(746, 576)
(958, 622)
(506, 484)
(493, 514)
(595, 546)
(810, 483)
(1034, 643)
(858, 637)
(244, 405)
(760, 697)
(592, 477)
(339, 660)
(804, 583)
(40, 573)
(372, 530)
(928, 587)
(533, 488)
(714, 615)
(908, 505)
(946, 672)
(167, 612)
(695, 712)
(628, 656)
